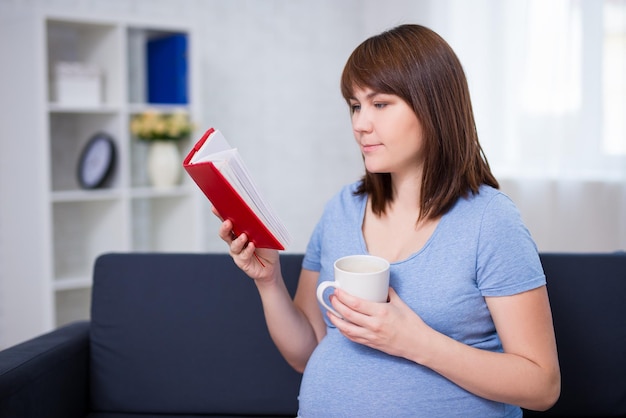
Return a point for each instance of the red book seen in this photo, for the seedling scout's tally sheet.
(221, 174)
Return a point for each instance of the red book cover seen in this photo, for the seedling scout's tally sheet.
(226, 198)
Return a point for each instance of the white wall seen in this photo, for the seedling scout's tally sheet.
(270, 72)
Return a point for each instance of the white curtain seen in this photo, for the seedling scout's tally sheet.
(548, 82)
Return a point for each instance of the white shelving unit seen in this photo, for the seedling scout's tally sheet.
(54, 229)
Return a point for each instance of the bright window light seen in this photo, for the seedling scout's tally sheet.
(553, 68)
(614, 77)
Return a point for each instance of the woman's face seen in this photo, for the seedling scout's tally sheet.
(388, 132)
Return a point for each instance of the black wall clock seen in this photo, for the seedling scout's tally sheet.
(97, 161)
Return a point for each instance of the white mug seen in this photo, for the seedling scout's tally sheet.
(364, 276)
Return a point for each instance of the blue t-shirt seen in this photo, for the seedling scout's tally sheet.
(479, 248)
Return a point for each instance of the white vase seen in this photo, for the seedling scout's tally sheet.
(164, 164)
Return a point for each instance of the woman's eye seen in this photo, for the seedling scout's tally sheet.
(355, 107)
(380, 105)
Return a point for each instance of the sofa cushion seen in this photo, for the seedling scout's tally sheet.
(587, 294)
(46, 376)
(185, 334)
(133, 415)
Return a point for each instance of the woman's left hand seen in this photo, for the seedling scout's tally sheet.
(389, 327)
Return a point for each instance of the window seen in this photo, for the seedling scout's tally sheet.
(614, 77)
(548, 83)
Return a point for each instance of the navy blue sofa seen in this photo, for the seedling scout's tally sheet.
(183, 335)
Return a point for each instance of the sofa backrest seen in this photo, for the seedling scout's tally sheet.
(588, 300)
(185, 334)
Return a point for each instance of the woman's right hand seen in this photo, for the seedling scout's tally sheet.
(261, 264)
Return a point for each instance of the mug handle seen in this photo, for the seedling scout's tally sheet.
(320, 295)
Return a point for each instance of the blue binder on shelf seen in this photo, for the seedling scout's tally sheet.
(167, 69)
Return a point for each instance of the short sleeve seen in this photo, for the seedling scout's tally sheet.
(312, 256)
(508, 262)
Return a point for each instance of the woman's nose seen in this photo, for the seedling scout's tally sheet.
(361, 122)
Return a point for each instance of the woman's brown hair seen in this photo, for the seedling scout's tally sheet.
(416, 64)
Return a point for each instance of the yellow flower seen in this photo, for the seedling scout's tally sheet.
(153, 125)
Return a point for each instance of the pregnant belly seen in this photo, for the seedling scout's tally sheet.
(345, 379)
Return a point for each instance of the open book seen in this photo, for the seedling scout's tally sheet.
(221, 174)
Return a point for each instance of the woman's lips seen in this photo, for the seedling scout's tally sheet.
(370, 147)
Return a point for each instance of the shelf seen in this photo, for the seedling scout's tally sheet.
(163, 224)
(113, 194)
(72, 305)
(72, 283)
(69, 132)
(89, 43)
(139, 174)
(136, 108)
(61, 225)
(85, 195)
(98, 109)
(83, 230)
(154, 193)
(137, 40)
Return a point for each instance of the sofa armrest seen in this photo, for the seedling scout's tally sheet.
(47, 375)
